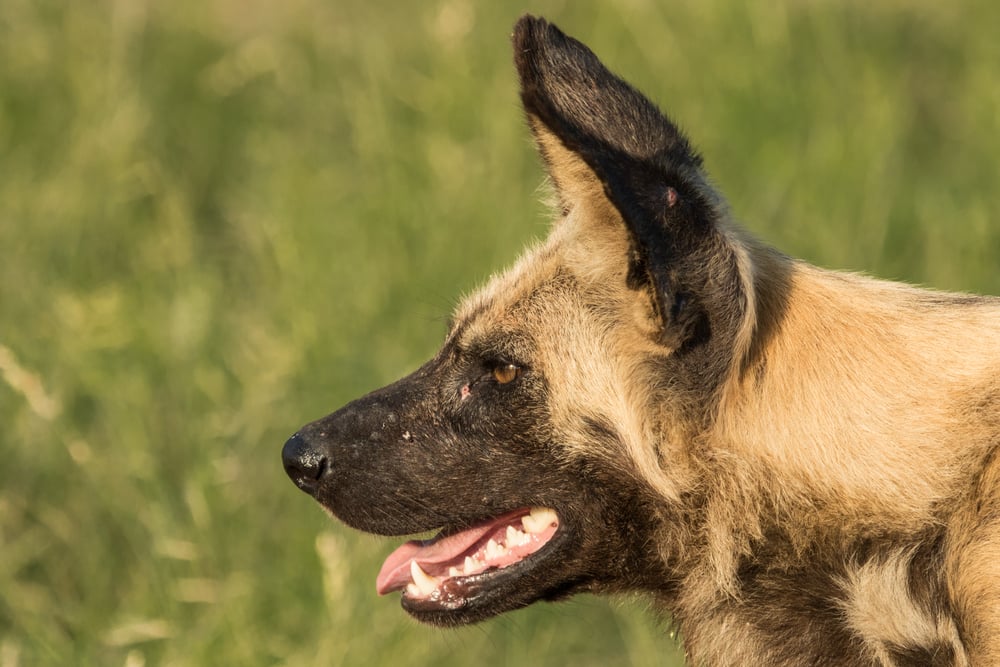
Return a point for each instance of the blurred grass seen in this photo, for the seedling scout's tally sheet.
(221, 219)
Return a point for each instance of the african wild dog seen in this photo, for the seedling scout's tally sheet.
(799, 465)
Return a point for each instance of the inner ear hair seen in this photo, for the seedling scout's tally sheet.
(576, 184)
(616, 158)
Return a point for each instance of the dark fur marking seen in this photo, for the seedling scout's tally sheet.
(637, 277)
(939, 299)
(456, 329)
(600, 429)
(927, 586)
(939, 655)
(452, 444)
(561, 77)
(771, 596)
(647, 169)
(771, 290)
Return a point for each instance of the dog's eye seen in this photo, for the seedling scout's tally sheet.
(506, 373)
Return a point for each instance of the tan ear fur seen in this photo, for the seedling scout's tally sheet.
(577, 187)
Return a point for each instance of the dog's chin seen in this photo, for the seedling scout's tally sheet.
(495, 566)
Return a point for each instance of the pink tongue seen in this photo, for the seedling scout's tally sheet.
(395, 572)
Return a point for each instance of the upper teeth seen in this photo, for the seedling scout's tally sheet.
(515, 537)
(494, 550)
(539, 520)
(536, 522)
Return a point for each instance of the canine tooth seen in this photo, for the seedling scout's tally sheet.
(412, 590)
(544, 514)
(538, 520)
(424, 582)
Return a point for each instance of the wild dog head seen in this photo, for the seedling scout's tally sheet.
(553, 435)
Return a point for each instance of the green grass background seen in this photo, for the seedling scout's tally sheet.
(220, 219)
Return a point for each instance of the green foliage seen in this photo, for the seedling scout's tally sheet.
(222, 219)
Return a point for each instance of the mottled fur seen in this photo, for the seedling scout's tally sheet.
(799, 464)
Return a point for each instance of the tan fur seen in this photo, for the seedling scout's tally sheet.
(801, 465)
(856, 407)
(851, 446)
(880, 608)
(861, 405)
(974, 565)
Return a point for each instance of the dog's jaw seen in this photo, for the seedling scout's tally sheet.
(500, 578)
(425, 570)
(465, 576)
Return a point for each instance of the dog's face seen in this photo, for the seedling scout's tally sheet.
(472, 444)
(549, 438)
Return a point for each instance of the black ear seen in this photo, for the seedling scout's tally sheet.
(600, 137)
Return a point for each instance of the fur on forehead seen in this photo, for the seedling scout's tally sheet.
(592, 337)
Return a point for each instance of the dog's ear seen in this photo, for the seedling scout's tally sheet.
(602, 140)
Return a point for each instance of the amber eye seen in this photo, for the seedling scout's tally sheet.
(506, 373)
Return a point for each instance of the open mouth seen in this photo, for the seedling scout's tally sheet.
(449, 569)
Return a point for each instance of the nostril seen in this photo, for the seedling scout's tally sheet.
(304, 463)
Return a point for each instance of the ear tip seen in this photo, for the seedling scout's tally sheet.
(525, 41)
(532, 37)
(565, 86)
(527, 30)
(544, 58)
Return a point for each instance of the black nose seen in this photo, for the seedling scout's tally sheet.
(304, 463)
